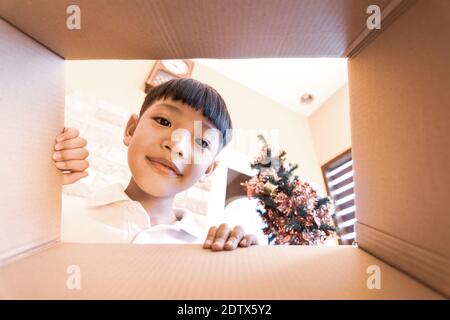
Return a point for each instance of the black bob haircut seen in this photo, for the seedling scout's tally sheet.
(199, 96)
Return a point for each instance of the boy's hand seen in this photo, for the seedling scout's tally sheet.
(70, 155)
(223, 238)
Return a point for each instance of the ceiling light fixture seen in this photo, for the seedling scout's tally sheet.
(307, 98)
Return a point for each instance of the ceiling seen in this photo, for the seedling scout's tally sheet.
(286, 80)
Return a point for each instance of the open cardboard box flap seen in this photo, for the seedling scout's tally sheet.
(141, 29)
(397, 81)
(189, 272)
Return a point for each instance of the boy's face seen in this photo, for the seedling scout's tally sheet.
(170, 134)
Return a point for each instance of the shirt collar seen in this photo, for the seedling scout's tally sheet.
(187, 221)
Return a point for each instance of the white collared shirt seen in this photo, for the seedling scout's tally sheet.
(110, 216)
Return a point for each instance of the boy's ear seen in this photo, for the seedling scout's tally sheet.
(211, 168)
(130, 128)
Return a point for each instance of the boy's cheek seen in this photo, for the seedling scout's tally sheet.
(191, 176)
(203, 159)
(195, 172)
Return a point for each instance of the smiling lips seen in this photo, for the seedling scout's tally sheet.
(164, 166)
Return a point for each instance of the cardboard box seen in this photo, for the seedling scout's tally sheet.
(398, 82)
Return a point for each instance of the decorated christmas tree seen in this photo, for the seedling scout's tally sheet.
(292, 211)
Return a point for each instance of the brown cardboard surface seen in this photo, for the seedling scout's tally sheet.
(190, 272)
(400, 117)
(398, 95)
(140, 29)
(31, 95)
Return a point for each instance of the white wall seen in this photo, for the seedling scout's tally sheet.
(252, 113)
(120, 82)
(330, 126)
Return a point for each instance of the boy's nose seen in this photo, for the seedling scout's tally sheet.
(174, 150)
(179, 144)
(179, 149)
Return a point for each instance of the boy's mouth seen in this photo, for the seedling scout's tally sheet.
(163, 166)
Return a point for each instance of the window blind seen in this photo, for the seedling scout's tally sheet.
(338, 176)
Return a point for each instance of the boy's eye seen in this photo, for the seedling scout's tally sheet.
(162, 121)
(202, 143)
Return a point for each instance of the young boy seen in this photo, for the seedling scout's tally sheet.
(181, 128)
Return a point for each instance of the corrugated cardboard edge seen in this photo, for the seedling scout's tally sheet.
(27, 252)
(425, 266)
(388, 15)
(34, 39)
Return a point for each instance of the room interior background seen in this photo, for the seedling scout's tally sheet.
(312, 134)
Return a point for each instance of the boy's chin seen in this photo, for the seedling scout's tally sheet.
(157, 187)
